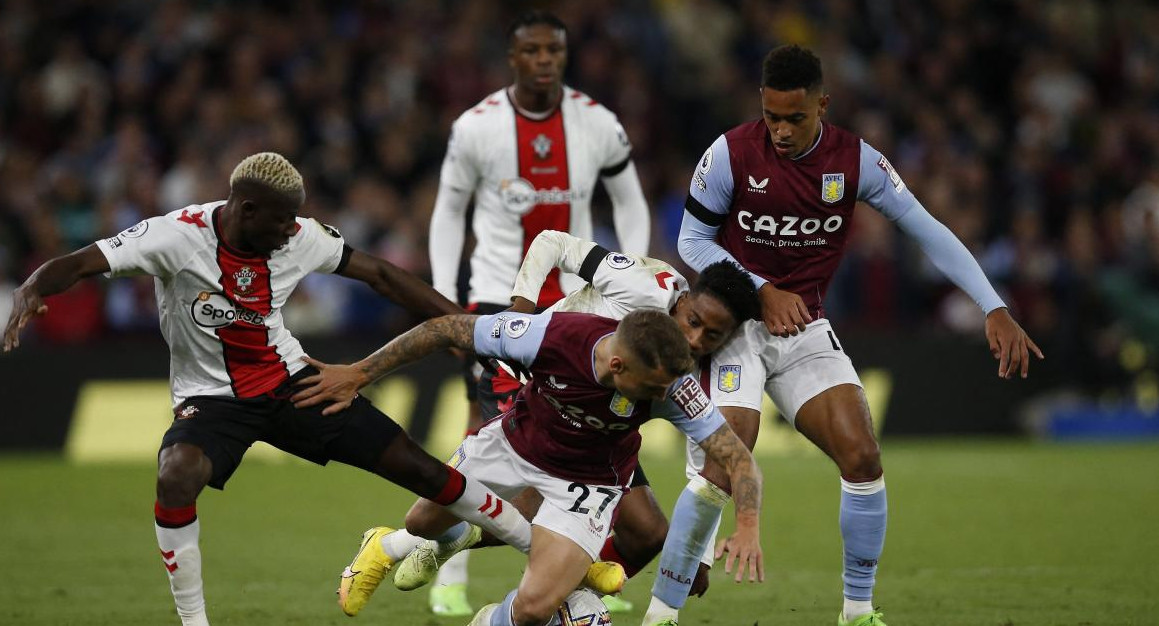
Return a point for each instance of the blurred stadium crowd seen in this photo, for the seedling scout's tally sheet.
(1029, 127)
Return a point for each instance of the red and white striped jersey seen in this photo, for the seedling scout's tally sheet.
(529, 175)
(220, 308)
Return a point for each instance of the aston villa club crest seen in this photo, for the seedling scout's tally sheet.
(621, 406)
(728, 378)
(832, 187)
(542, 146)
(245, 279)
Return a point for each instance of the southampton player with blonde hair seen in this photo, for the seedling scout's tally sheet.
(223, 271)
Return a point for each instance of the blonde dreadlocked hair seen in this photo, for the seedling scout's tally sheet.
(269, 169)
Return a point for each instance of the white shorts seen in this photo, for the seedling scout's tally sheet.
(792, 370)
(579, 511)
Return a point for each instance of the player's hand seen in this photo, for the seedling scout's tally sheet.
(519, 304)
(336, 384)
(699, 582)
(26, 304)
(1009, 344)
(744, 550)
(783, 312)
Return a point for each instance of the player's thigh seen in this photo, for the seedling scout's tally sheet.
(838, 422)
(488, 458)
(221, 428)
(580, 511)
(803, 367)
(555, 567)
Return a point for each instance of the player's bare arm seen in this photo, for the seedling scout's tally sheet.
(339, 384)
(1009, 344)
(744, 548)
(783, 312)
(398, 285)
(51, 278)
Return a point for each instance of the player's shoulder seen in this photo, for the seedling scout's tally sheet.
(194, 222)
(840, 138)
(587, 108)
(754, 130)
(485, 111)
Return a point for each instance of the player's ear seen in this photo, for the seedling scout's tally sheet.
(616, 365)
(248, 208)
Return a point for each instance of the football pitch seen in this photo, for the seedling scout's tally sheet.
(980, 533)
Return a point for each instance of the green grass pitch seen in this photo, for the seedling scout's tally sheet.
(981, 533)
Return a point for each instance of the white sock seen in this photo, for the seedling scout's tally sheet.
(478, 505)
(855, 608)
(657, 611)
(399, 543)
(182, 558)
(454, 571)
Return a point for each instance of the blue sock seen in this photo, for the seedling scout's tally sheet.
(863, 516)
(452, 533)
(693, 526)
(502, 615)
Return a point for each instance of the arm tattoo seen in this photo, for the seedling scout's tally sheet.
(728, 451)
(440, 333)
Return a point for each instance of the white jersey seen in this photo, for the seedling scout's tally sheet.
(528, 176)
(221, 309)
(618, 283)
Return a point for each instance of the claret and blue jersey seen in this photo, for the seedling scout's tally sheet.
(564, 421)
(787, 221)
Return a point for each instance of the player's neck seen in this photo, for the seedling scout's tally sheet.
(536, 105)
(229, 229)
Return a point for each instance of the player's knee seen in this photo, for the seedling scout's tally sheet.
(533, 609)
(862, 462)
(180, 477)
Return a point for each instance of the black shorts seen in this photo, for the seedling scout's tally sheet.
(224, 428)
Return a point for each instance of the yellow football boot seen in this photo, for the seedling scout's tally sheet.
(365, 572)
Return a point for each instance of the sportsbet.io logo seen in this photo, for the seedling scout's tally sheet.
(214, 310)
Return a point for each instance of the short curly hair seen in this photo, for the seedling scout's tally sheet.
(655, 338)
(791, 67)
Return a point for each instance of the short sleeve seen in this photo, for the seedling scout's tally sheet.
(689, 409)
(459, 170)
(153, 247)
(881, 187)
(321, 247)
(617, 148)
(710, 193)
(632, 280)
(512, 336)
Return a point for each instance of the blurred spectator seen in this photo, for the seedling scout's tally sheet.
(1030, 128)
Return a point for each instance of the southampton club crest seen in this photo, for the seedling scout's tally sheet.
(832, 187)
(728, 378)
(542, 146)
(245, 279)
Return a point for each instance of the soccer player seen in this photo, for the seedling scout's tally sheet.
(777, 195)
(530, 154)
(618, 283)
(572, 434)
(223, 271)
